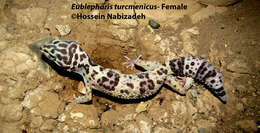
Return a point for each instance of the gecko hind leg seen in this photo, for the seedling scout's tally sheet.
(180, 85)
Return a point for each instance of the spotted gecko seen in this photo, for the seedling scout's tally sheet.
(70, 56)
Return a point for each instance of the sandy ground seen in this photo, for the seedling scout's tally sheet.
(33, 95)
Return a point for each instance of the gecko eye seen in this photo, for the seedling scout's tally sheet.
(55, 41)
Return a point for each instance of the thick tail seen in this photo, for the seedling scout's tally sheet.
(200, 71)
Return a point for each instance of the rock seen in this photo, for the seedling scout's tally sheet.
(28, 17)
(131, 128)
(33, 98)
(189, 43)
(205, 13)
(141, 107)
(205, 125)
(63, 29)
(158, 114)
(84, 116)
(149, 45)
(202, 130)
(161, 129)
(122, 34)
(113, 117)
(240, 107)
(13, 62)
(194, 93)
(11, 112)
(48, 125)
(145, 124)
(42, 102)
(3, 44)
(239, 66)
(9, 128)
(247, 125)
(217, 2)
(36, 122)
(154, 24)
(49, 106)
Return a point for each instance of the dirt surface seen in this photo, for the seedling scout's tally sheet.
(33, 95)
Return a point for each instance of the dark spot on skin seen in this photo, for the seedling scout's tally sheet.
(80, 49)
(121, 91)
(190, 72)
(94, 74)
(130, 85)
(192, 63)
(45, 51)
(52, 51)
(111, 82)
(159, 72)
(63, 45)
(71, 52)
(187, 66)
(64, 58)
(165, 71)
(150, 84)
(110, 74)
(147, 75)
(142, 91)
(76, 56)
(104, 79)
(214, 73)
(140, 76)
(82, 57)
(59, 56)
(142, 83)
(212, 81)
(130, 77)
(101, 69)
(126, 91)
(74, 63)
(203, 71)
(63, 51)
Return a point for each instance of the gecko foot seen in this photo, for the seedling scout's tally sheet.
(130, 62)
(187, 82)
(79, 99)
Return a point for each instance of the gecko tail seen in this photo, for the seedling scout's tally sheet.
(202, 72)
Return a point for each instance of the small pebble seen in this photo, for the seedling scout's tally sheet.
(63, 29)
(141, 107)
(194, 93)
(201, 130)
(154, 24)
(204, 56)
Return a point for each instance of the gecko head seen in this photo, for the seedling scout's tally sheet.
(66, 54)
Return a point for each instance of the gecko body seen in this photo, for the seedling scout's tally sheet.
(70, 56)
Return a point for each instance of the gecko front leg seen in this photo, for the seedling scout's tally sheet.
(84, 89)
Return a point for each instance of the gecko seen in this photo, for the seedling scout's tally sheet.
(70, 56)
